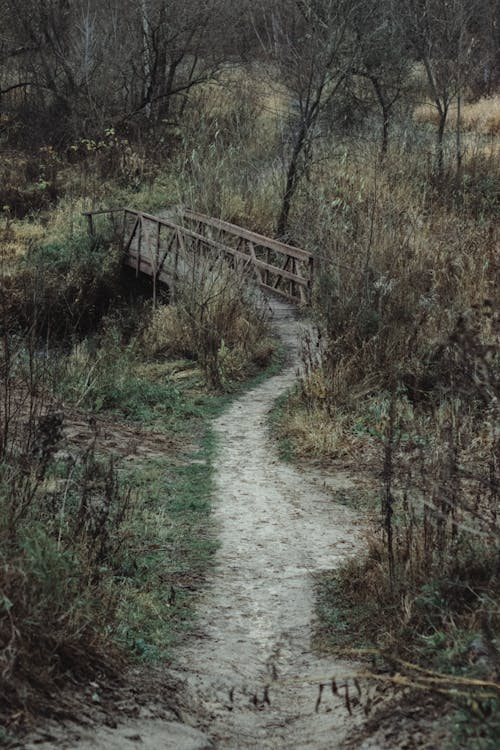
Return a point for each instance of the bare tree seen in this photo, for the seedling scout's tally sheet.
(382, 59)
(309, 43)
(484, 26)
(87, 66)
(179, 49)
(438, 31)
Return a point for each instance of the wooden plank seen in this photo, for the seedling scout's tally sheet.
(280, 292)
(169, 247)
(212, 243)
(133, 260)
(162, 221)
(283, 270)
(155, 264)
(302, 280)
(146, 269)
(260, 276)
(131, 238)
(139, 243)
(173, 286)
(124, 227)
(180, 239)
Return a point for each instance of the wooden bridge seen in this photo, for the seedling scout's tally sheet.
(156, 246)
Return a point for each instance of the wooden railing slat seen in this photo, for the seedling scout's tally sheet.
(274, 277)
(257, 239)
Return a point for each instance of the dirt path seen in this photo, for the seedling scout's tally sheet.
(251, 676)
(249, 679)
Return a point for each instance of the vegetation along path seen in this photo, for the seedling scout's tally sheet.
(251, 675)
(249, 678)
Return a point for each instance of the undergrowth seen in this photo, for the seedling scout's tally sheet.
(173, 552)
(400, 375)
(400, 378)
(425, 597)
(101, 558)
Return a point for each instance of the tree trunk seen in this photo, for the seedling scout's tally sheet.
(459, 139)
(386, 113)
(146, 58)
(292, 179)
(443, 113)
(385, 133)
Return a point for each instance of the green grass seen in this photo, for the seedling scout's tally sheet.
(476, 726)
(176, 545)
(111, 553)
(173, 538)
(341, 622)
(286, 449)
(177, 541)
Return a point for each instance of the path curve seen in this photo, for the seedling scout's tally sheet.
(250, 674)
(249, 678)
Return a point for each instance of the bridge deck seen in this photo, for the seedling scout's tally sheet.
(156, 246)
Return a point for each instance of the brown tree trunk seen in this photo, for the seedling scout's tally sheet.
(292, 178)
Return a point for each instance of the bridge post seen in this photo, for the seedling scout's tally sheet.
(311, 278)
(139, 245)
(155, 263)
(90, 225)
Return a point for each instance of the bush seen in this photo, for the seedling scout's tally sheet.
(104, 374)
(63, 288)
(61, 537)
(83, 568)
(218, 319)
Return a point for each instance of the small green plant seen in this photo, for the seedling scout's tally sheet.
(107, 375)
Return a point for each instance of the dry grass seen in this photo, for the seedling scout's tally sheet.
(218, 319)
(405, 363)
(481, 117)
(397, 271)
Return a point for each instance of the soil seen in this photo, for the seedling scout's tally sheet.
(249, 677)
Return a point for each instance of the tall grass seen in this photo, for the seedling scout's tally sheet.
(99, 558)
(61, 536)
(218, 319)
(402, 373)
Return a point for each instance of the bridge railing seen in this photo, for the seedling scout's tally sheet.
(153, 245)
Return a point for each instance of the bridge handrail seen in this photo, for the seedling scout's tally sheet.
(247, 234)
(225, 226)
(249, 248)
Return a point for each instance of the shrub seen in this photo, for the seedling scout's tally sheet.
(63, 288)
(104, 374)
(218, 319)
(61, 537)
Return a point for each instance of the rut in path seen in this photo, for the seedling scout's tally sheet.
(251, 676)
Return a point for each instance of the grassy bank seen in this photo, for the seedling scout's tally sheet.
(106, 467)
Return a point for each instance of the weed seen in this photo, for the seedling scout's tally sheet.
(175, 547)
(218, 320)
(285, 445)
